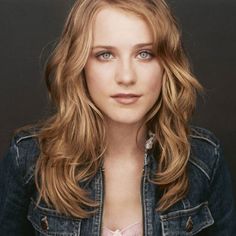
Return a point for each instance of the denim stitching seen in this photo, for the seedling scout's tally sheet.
(178, 213)
(204, 225)
(216, 163)
(48, 233)
(208, 222)
(42, 212)
(17, 155)
(25, 137)
(203, 133)
(30, 176)
(144, 193)
(186, 203)
(211, 219)
(204, 138)
(200, 168)
(163, 228)
(51, 212)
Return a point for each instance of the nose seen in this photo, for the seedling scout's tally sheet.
(125, 74)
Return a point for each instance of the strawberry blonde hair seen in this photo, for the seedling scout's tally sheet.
(71, 150)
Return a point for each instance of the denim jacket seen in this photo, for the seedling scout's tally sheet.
(207, 209)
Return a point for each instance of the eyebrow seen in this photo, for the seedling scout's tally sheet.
(112, 47)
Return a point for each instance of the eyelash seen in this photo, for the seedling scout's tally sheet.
(102, 53)
(107, 52)
(148, 52)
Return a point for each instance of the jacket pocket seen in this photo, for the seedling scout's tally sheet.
(48, 222)
(186, 222)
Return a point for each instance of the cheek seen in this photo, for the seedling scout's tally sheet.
(97, 76)
(153, 75)
(97, 83)
(92, 76)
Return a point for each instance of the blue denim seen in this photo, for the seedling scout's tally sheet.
(207, 209)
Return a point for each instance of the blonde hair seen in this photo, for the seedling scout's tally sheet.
(71, 152)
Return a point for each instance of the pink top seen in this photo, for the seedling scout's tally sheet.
(135, 229)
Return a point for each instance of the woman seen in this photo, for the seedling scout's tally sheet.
(118, 157)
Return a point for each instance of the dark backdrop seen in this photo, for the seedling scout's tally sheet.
(29, 28)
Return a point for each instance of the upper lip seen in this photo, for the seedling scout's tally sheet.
(126, 95)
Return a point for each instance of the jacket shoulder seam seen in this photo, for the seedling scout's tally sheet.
(193, 162)
(204, 138)
(25, 137)
(204, 134)
(17, 141)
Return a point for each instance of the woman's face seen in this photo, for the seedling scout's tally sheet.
(123, 77)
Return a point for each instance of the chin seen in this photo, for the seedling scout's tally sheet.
(125, 120)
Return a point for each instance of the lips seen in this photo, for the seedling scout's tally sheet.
(126, 98)
(125, 95)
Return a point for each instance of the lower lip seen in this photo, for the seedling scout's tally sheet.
(126, 100)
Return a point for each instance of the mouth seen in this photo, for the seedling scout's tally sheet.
(126, 98)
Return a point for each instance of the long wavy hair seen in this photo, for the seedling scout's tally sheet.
(71, 151)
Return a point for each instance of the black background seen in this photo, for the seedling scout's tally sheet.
(29, 28)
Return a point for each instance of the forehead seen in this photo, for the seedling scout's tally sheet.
(119, 27)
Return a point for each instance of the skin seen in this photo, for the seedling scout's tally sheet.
(124, 68)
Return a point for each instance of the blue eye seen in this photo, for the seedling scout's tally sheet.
(104, 55)
(146, 54)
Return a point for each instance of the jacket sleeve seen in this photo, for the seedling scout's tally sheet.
(14, 199)
(221, 199)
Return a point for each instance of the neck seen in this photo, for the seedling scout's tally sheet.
(122, 141)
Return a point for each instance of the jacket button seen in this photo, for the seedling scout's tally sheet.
(189, 224)
(44, 223)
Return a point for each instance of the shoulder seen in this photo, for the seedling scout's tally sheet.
(205, 150)
(203, 135)
(26, 139)
(23, 152)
